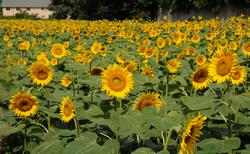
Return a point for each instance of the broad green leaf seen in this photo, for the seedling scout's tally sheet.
(49, 146)
(85, 144)
(219, 146)
(163, 152)
(6, 129)
(110, 147)
(88, 114)
(199, 103)
(143, 151)
(243, 99)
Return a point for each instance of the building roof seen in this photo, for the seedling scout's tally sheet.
(25, 3)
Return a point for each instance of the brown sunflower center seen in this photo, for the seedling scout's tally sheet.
(146, 102)
(68, 110)
(25, 105)
(58, 51)
(236, 75)
(42, 74)
(201, 76)
(224, 66)
(117, 83)
(247, 48)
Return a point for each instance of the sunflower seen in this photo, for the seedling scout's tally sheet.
(200, 78)
(246, 49)
(173, 65)
(191, 134)
(147, 99)
(201, 59)
(97, 71)
(66, 80)
(41, 74)
(67, 110)
(53, 61)
(221, 66)
(238, 75)
(160, 42)
(24, 104)
(148, 71)
(24, 46)
(58, 51)
(117, 81)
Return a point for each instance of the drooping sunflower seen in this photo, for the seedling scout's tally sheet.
(58, 51)
(67, 110)
(238, 75)
(117, 81)
(147, 99)
(173, 65)
(24, 104)
(246, 49)
(221, 66)
(66, 80)
(200, 78)
(41, 74)
(191, 134)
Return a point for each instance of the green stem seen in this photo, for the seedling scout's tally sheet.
(48, 117)
(25, 136)
(77, 126)
(168, 139)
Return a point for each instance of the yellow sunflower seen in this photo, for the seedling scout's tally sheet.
(200, 78)
(246, 49)
(148, 71)
(117, 81)
(191, 134)
(58, 51)
(24, 104)
(221, 66)
(173, 65)
(97, 71)
(66, 80)
(41, 74)
(67, 110)
(147, 99)
(160, 42)
(238, 75)
(200, 59)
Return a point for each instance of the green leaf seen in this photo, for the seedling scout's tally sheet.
(243, 99)
(110, 147)
(199, 103)
(49, 146)
(163, 152)
(6, 129)
(88, 114)
(83, 145)
(143, 151)
(219, 146)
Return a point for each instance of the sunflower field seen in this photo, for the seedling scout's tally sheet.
(132, 86)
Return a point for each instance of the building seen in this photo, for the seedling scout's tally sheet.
(32, 7)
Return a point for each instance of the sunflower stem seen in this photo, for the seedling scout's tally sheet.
(168, 139)
(77, 126)
(25, 136)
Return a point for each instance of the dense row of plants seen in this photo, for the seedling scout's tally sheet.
(78, 86)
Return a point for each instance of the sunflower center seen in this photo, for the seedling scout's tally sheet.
(118, 83)
(201, 76)
(58, 51)
(236, 75)
(42, 74)
(224, 66)
(248, 48)
(146, 102)
(25, 105)
(67, 110)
